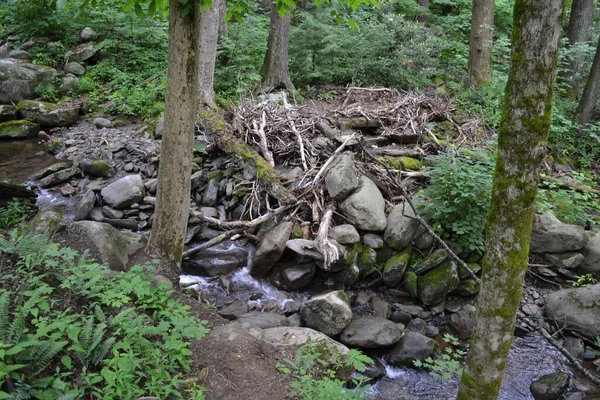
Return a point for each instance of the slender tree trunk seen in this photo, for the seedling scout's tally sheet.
(274, 72)
(223, 26)
(587, 104)
(582, 12)
(207, 30)
(521, 148)
(480, 46)
(173, 195)
(424, 18)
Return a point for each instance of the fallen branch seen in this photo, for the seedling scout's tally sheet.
(358, 123)
(217, 223)
(386, 151)
(569, 185)
(260, 132)
(212, 242)
(328, 131)
(323, 244)
(298, 136)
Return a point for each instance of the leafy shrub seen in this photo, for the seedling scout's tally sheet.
(458, 197)
(13, 213)
(449, 366)
(69, 328)
(316, 381)
(48, 92)
(35, 17)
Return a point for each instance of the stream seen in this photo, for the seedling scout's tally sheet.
(530, 356)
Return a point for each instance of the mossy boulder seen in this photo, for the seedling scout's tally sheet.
(18, 80)
(437, 283)
(467, 287)
(412, 164)
(371, 332)
(394, 268)
(577, 309)
(348, 276)
(18, 129)
(432, 261)
(49, 170)
(95, 167)
(366, 207)
(48, 221)
(48, 114)
(329, 313)
(474, 267)
(402, 227)
(411, 284)
(7, 112)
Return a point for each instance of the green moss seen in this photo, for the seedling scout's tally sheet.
(198, 160)
(411, 163)
(18, 129)
(296, 229)
(218, 174)
(36, 105)
(391, 162)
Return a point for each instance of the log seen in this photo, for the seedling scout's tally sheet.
(10, 191)
(395, 152)
(569, 185)
(328, 131)
(358, 123)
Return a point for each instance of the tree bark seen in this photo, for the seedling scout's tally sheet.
(480, 45)
(521, 148)
(582, 12)
(424, 18)
(223, 25)
(587, 104)
(207, 31)
(173, 195)
(274, 72)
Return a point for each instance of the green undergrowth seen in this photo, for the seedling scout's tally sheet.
(72, 329)
(13, 213)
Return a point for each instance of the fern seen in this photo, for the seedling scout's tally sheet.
(44, 352)
(92, 347)
(4, 315)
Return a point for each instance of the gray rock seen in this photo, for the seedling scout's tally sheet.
(373, 241)
(591, 252)
(159, 128)
(296, 320)
(221, 259)
(20, 55)
(95, 167)
(329, 313)
(462, 323)
(127, 223)
(7, 112)
(467, 287)
(550, 386)
(270, 249)
(75, 68)
(568, 260)
(366, 207)
(344, 234)
(59, 177)
(424, 241)
(124, 192)
(96, 214)
(341, 178)
(109, 212)
(19, 80)
(264, 320)
(28, 45)
(100, 123)
(574, 346)
(412, 346)
(88, 34)
(299, 276)
(234, 310)
(417, 325)
(48, 221)
(48, 114)
(577, 309)
(394, 268)
(209, 212)
(211, 193)
(18, 129)
(5, 50)
(432, 261)
(113, 247)
(551, 236)
(401, 317)
(381, 308)
(402, 228)
(371, 332)
(304, 247)
(81, 52)
(84, 204)
(68, 84)
(437, 283)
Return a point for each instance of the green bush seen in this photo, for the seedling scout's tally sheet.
(13, 213)
(70, 328)
(457, 199)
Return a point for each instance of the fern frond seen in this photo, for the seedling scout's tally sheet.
(4, 315)
(99, 314)
(72, 395)
(44, 352)
(102, 350)
(85, 337)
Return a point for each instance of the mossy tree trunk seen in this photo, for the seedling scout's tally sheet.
(580, 20)
(207, 31)
(173, 193)
(521, 148)
(480, 45)
(274, 72)
(587, 104)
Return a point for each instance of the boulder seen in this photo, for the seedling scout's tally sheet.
(18, 129)
(299, 276)
(467, 287)
(348, 276)
(462, 323)
(417, 325)
(550, 386)
(234, 310)
(292, 338)
(413, 346)
(341, 178)
(68, 84)
(344, 234)
(591, 253)
(81, 52)
(49, 170)
(5, 50)
(411, 284)
(95, 167)
(304, 248)
(75, 68)
(48, 221)
(371, 332)
(48, 114)
(366, 207)
(329, 313)
(373, 241)
(432, 261)
(402, 227)
(100, 123)
(110, 212)
(59, 177)
(7, 112)
(19, 80)
(270, 249)
(577, 309)
(220, 259)
(437, 283)
(567, 260)
(83, 205)
(20, 55)
(264, 320)
(211, 193)
(124, 192)
(552, 236)
(88, 34)
(394, 268)
(159, 128)
(112, 246)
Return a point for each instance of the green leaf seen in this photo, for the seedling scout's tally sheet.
(352, 24)
(67, 362)
(139, 11)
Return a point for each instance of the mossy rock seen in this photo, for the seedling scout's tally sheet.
(467, 287)
(432, 261)
(48, 114)
(476, 268)
(95, 167)
(394, 268)
(18, 129)
(7, 112)
(296, 230)
(218, 175)
(384, 254)
(348, 276)
(411, 284)
(48, 221)
(437, 283)
(411, 164)
(367, 258)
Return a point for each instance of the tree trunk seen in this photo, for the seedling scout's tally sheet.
(587, 104)
(521, 148)
(480, 46)
(424, 18)
(207, 30)
(578, 31)
(173, 195)
(274, 71)
(223, 26)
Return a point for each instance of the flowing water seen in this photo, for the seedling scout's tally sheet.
(19, 159)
